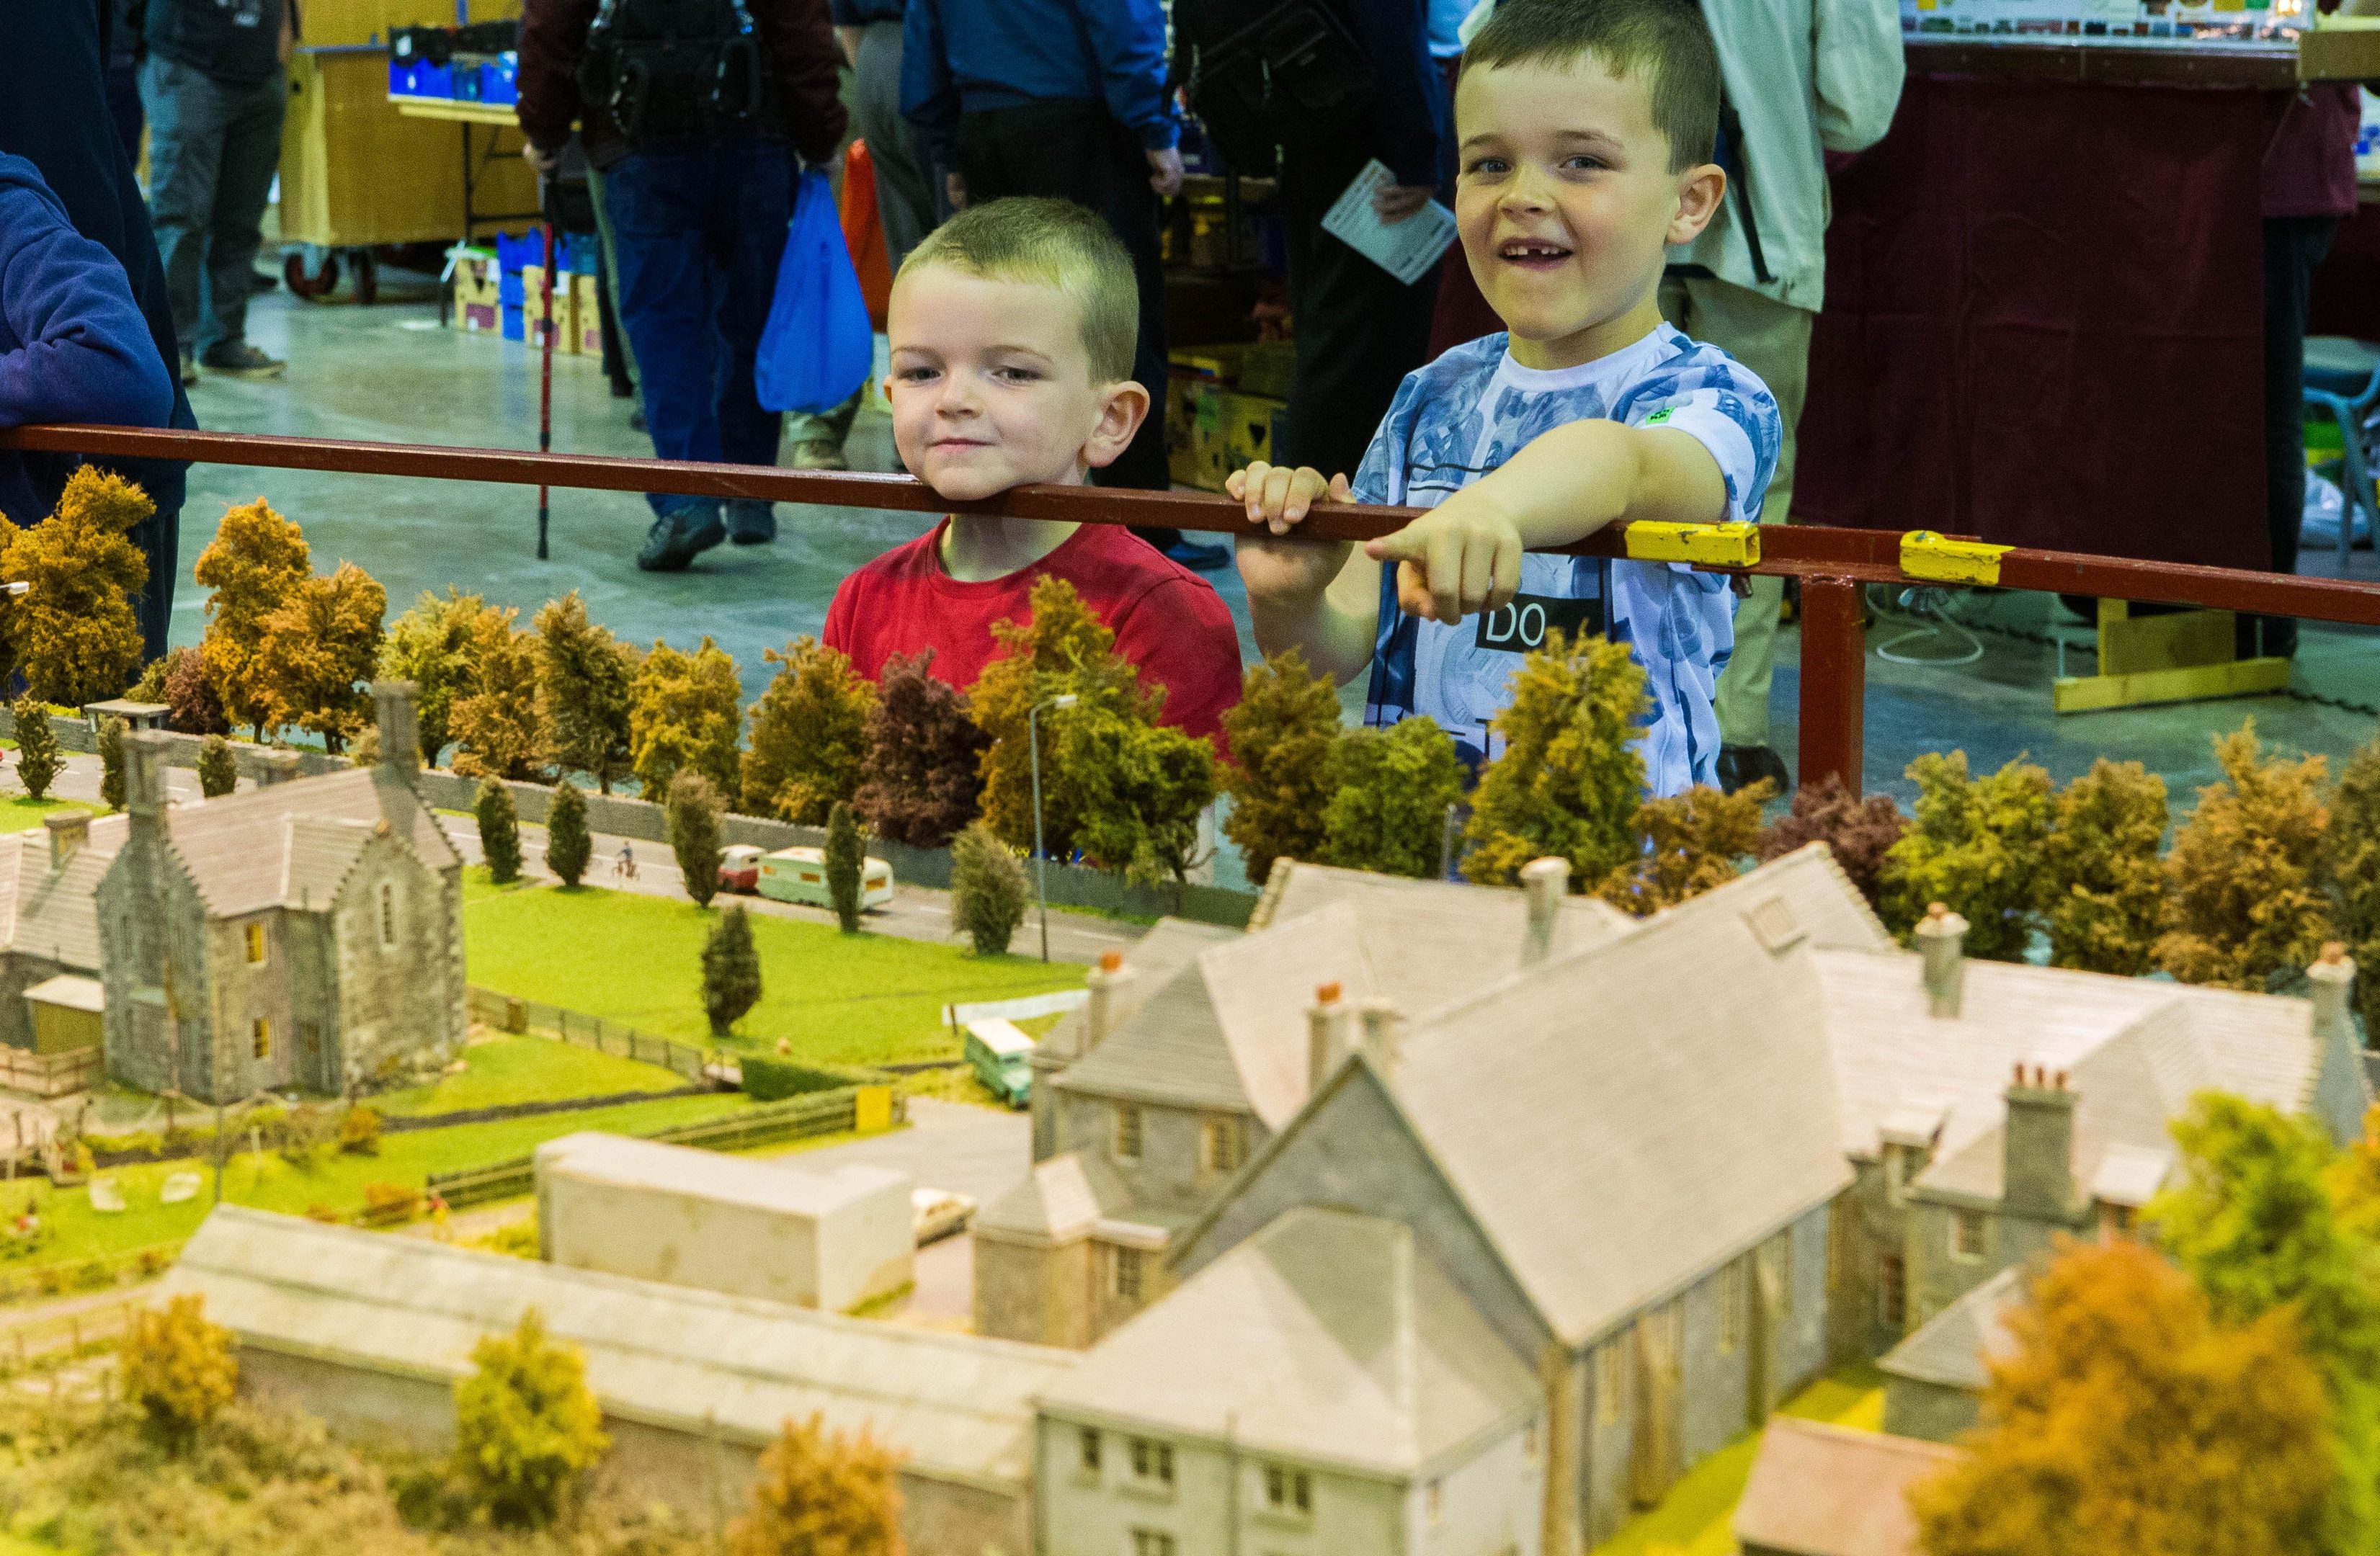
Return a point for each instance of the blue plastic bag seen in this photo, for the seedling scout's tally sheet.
(818, 347)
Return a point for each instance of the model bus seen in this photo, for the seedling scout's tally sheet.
(1001, 1056)
(799, 875)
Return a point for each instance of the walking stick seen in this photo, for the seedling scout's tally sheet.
(545, 372)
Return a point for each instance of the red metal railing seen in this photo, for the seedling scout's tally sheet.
(1830, 562)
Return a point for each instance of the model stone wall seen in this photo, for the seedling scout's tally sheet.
(1493, 1502)
(312, 940)
(393, 992)
(147, 908)
(1609, 1433)
(245, 993)
(1936, 1412)
(1166, 1176)
(1868, 1227)
(1026, 1290)
(17, 973)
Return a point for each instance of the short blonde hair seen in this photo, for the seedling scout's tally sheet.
(1049, 243)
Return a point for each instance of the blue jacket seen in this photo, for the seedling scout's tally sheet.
(969, 56)
(73, 346)
(859, 13)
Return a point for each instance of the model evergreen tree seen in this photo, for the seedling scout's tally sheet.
(583, 676)
(1282, 734)
(498, 830)
(218, 771)
(1567, 782)
(1065, 649)
(2245, 897)
(568, 845)
(493, 717)
(730, 971)
(38, 761)
(923, 777)
(2131, 1418)
(685, 711)
(110, 762)
(847, 862)
(1388, 793)
(2102, 885)
(809, 735)
(2351, 864)
(1859, 832)
(191, 706)
(989, 890)
(822, 1493)
(74, 634)
(436, 646)
(691, 813)
(1976, 847)
(320, 650)
(1694, 841)
(528, 1430)
(256, 562)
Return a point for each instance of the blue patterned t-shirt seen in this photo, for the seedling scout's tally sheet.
(1464, 415)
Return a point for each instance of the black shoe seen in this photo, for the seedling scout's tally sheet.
(1740, 767)
(2278, 640)
(637, 419)
(238, 359)
(751, 521)
(676, 538)
(1197, 556)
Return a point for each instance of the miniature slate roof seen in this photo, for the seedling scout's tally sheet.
(1826, 1490)
(1331, 1340)
(687, 1360)
(782, 1186)
(55, 914)
(1061, 1198)
(1169, 946)
(1953, 1348)
(289, 844)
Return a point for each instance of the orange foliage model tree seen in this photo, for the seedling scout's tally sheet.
(2245, 898)
(319, 653)
(820, 1493)
(255, 563)
(1692, 841)
(2129, 1420)
(74, 633)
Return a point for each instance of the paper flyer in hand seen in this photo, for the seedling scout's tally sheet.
(1405, 249)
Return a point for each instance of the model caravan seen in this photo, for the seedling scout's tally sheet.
(798, 874)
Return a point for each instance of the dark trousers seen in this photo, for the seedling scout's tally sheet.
(214, 147)
(2294, 246)
(1359, 330)
(698, 229)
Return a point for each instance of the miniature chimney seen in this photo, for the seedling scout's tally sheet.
(1543, 882)
(1098, 1011)
(2332, 979)
(144, 776)
(2038, 1175)
(400, 729)
(1942, 942)
(1327, 1020)
(1384, 1036)
(69, 830)
(280, 767)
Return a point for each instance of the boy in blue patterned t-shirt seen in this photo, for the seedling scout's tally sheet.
(1587, 129)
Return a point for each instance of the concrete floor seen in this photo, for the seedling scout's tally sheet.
(391, 372)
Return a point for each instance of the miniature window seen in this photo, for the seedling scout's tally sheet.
(1091, 1449)
(1288, 1490)
(1220, 1145)
(1611, 1378)
(1732, 1297)
(1152, 1460)
(387, 914)
(1124, 1264)
(1966, 1236)
(261, 1036)
(1151, 1542)
(255, 934)
(309, 1039)
(1891, 1298)
(1433, 1500)
(1128, 1131)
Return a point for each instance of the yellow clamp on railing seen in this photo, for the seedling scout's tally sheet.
(1727, 545)
(1924, 554)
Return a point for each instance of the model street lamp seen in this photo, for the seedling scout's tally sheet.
(1040, 859)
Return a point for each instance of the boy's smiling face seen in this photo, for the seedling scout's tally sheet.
(1565, 202)
(991, 385)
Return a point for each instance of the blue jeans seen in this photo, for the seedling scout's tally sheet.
(697, 227)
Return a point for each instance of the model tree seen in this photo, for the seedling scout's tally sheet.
(494, 718)
(1282, 735)
(191, 706)
(218, 771)
(730, 971)
(1859, 832)
(691, 813)
(38, 760)
(1064, 649)
(2351, 864)
(2130, 1417)
(583, 676)
(436, 646)
(528, 1430)
(178, 1370)
(2353, 1180)
(822, 1493)
(499, 829)
(1692, 841)
(923, 777)
(685, 711)
(255, 563)
(2244, 898)
(1389, 791)
(1139, 790)
(2102, 885)
(110, 762)
(73, 634)
(846, 865)
(1975, 847)
(568, 846)
(809, 735)
(987, 889)
(319, 653)
(1569, 780)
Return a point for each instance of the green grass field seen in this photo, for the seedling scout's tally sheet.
(841, 999)
(19, 812)
(527, 1069)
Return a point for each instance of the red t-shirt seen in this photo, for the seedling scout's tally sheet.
(1167, 620)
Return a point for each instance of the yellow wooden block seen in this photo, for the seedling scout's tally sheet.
(2129, 644)
(1727, 545)
(2236, 678)
(1927, 555)
(872, 1109)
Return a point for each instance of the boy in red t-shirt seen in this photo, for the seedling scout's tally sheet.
(1012, 331)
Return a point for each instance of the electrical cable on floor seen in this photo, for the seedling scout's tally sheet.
(1930, 615)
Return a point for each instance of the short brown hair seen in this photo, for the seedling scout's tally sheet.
(1051, 242)
(1665, 42)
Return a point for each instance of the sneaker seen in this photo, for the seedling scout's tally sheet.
(678, 536)
(817, 454)
(240, 360)
(1198, 556)
(190, 368)
(1740, 767)
(751, 521)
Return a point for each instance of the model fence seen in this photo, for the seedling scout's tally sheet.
(28, 1279)
(64, 1336)
(508, 1013)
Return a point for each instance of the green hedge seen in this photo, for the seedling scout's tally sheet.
(767, 1080)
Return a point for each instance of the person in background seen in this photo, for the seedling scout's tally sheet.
(214, 88)
(698, 193)
(123, 19)
(905, 201)
(1064, 99)
(1803, 78)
